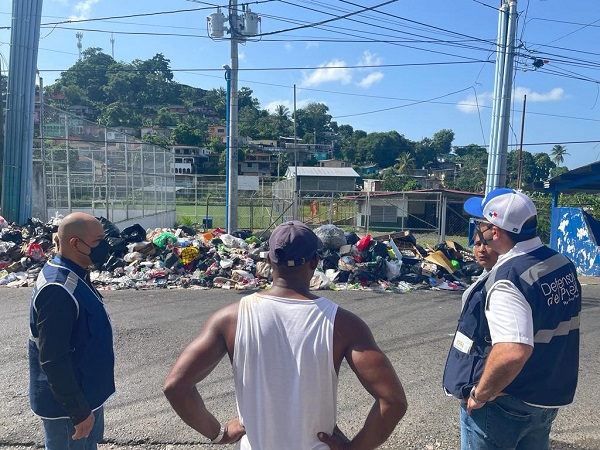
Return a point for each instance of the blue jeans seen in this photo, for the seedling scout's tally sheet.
(506, 424)
(58, 432)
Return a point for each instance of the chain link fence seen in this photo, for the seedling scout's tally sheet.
(95, 169)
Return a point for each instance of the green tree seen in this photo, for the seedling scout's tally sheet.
(528, 168)
(559, 170)
(382, 148)
(119, 114)
(558, 152)
(424, 152)
(405, 163)
(165, 118)
(313, 123)
(473, 169)
(217, 100)
(283, 123)
(543, 166)
(442, 141)
(186, 134)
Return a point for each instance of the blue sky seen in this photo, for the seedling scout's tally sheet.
(414, 66)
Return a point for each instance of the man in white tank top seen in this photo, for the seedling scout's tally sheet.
(286, 347)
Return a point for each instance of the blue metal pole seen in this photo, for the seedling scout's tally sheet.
(227, 143)
(17, 166)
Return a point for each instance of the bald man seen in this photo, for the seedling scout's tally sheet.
(71, 358)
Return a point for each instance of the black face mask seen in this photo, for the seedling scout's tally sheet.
(98, 254)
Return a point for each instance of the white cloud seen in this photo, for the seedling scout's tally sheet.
(550, 96)
(370, 80)
(310, 45)
(469, 104)
(333, 71)
(369, 59)
(241, 56)
(83, 10)
(289, 104)
(288, 47)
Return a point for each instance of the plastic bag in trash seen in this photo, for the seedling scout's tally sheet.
(393, 269)
(164, 239)
(363, 243)
(351, 237)
(110, 229)
(35, 251)
(331, 236)
(233, 242)
(134, 233)
(3, 223)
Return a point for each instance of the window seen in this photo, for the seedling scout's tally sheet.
(383, 213)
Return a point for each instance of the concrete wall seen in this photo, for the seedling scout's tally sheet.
(576, 238)
(165, 219)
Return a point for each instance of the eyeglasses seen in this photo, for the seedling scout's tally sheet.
(479, 231)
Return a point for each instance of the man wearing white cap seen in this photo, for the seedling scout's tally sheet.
(515, 356)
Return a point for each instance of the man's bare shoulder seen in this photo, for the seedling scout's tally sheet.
(351, 327)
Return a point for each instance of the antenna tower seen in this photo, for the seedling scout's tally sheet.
(79, 36)
(112, 45)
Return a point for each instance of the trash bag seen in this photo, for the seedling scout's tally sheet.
(378, 248)
(14, 236)
(134, 233)
(118, 246)
(329, 259)
(188, 230)
(393, 269)
(3, 223)
(113, 263)
(242, 234)
(363, 243)
(165, 239)
(232, 241)
(110, 229)
(34, 251)
(351, 237)
(331, 236)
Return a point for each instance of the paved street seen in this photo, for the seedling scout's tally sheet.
(152, 327)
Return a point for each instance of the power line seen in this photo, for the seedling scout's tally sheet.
(266, 69)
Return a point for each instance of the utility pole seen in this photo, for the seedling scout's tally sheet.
(498, 151)
(112, 46)
(17, 164)
(240, 27)
(296, 184)
(232, 156)
(520, 168)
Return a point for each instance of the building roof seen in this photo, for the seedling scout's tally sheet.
(581, 179)
(340, 172)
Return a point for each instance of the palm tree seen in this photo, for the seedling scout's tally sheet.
(404, 163)
(282, 118)
(558, 153)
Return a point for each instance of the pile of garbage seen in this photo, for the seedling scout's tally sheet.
(188, 258)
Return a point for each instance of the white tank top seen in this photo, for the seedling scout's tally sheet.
(285, 379)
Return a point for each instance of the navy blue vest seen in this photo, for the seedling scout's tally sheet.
(548, 281)
(91, 343)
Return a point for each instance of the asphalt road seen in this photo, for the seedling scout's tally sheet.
(152, 327)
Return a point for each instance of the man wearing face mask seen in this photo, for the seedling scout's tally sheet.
(71, 357)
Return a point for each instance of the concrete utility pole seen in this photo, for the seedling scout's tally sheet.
(232, 156)
(498, 151)
(17, 165)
